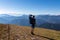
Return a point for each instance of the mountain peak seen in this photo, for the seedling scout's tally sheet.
(1, 15)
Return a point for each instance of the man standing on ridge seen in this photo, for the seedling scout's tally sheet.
(32, 21)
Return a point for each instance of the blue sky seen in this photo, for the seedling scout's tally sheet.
(36, 7)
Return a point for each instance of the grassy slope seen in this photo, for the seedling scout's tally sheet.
(23, 33)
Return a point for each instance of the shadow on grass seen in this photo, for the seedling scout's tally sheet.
(44, 37)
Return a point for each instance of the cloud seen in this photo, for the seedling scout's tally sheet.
(27, 12)
(10, 12)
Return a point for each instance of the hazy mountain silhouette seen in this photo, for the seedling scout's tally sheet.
(4, 21)
(50, 26)
(43, 20)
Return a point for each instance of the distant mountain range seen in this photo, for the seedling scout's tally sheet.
(50, 26)
(24, 20)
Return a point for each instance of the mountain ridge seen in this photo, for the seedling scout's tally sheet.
(24, 20)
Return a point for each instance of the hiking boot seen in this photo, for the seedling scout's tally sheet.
(32, 33)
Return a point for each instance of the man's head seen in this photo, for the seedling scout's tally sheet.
(33, 16)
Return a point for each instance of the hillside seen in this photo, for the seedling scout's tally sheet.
(13, 32)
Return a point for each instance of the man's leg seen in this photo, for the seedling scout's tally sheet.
(32, 30)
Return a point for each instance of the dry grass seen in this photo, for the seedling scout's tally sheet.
(23, 33)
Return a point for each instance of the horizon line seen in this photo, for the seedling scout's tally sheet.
(28, 14)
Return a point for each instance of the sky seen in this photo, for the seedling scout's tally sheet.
(35, 7)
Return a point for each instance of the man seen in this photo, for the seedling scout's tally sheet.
(32, 22)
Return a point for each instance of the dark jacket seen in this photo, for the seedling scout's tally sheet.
(32, 20)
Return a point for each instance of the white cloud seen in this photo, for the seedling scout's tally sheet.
(3, 11)
(19, 12)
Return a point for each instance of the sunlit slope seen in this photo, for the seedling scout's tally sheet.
(23, 33)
